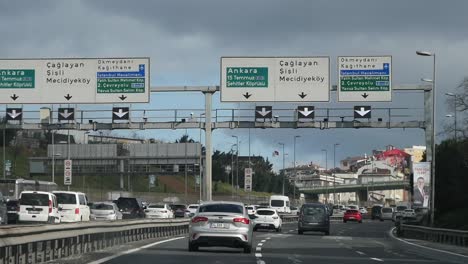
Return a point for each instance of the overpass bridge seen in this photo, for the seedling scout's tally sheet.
(370, 186)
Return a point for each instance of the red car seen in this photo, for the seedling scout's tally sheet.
(352, 215)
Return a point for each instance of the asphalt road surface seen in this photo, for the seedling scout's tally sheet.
(368, 242)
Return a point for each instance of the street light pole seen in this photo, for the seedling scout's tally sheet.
(282, 144)
(334, 168)
(295, 170)
(326, 169)
(232, 170)
(53, 156)
(237, 162)
(433, 136)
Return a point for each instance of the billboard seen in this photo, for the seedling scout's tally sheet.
(422, 183)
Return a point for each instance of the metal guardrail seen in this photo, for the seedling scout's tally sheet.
(388, 185)
(438, 235)
(36, 244)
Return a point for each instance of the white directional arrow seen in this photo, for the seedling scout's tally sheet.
(120, 113)
(264, 112)
(66, 114)
(14, 115)
(362, 111)
(306, 111)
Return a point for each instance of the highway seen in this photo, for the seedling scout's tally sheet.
(369, 242)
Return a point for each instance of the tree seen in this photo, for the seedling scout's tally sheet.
(185, 139)
(10, 134)
(459, 103)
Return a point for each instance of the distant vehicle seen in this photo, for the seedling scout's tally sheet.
(352, 215)
(338, 209)
(353, 207)
(397, 213)
(105, 211)
(193, 208)
(73, 206)
(12, 211)
(363, 210)
(375, 212)
(180, 210)
(130, 207)
(408, 213)
(12, 188)
(159, 211)
(294, 210)
(223, 224)
(251, 209)
(314, 217)
(280, 203)
(3, 210)
(386, 213)
(36, 206)
(267, 219)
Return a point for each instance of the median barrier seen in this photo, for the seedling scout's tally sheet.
(41, 243)
(438, 235)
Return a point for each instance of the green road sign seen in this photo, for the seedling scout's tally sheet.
(247, 77)
(365, 83)
(121, 85)
(16, 79)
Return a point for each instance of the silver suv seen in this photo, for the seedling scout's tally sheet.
(225, 224)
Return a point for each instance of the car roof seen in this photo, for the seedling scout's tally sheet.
(222, 202)
(38, 192)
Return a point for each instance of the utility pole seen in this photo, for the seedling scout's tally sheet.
(295, 170)
(237, 162)
(334, 168)
(326, 169)
(282, 144)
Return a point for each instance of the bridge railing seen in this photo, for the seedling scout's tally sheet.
(438, 235)
(41, 243)
(357, 185)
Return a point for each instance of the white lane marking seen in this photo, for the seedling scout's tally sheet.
(99, 261)
(416, 245)
(292, 230)
(258, 255)
(360, 253)
(258, 249)
(268, 238)
(377, 259)
(260, 244)
(263, 241)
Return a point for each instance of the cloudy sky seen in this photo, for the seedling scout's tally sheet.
(185, 40)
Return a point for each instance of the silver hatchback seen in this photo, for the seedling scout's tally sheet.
(223, 224)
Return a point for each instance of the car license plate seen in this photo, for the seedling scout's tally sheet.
(264, 225)
(11, 212)
(219, 225)
(351, 217)
(33, 212)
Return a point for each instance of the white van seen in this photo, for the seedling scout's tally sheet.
(280, 203)
(36, 206)
(73, 206)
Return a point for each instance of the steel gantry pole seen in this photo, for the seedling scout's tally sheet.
(334, 168)
(432, 155)
(295, 170)
(208, 145)
(237, 162)
(326, 169)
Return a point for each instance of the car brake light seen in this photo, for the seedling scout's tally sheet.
(77, 210)
(50, 206)
(241, 220)
(199, 219)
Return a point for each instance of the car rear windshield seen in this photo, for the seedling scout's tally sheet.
(193, 207)
(221, 208)
(351, 211)
(100, 206)
(401, 208)
(66, 198)
(387, 210)
(249, 208)
(265, 212)
(12, 203)
(156, 206)
(178, 206)
(277, 203)
(127, 203)
(409, 210)
(36, 199)
(314, 211)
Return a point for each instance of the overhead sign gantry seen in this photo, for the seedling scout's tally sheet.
(71, 81)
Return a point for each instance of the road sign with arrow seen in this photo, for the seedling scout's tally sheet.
(365, 79)
(263, 112)
(120, 113)
(363, 111)
(66, 114)
(14, 114)
(306, 112)
(275, 79)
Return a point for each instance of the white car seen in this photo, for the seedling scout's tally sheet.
(363, 210)
(294, 210)
(408, 213)
(159, 211)
(267, 219)
(106, 211)
(193, 208)
(251, 209)
(35, 206)
(73, 206)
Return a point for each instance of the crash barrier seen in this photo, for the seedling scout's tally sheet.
(36, 244)
(438, 235)
(289, 218)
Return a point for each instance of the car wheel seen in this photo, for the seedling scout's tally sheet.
(278, 229)
(344, 221)
(381, 220)
(255, 229)
(300, 232)
(327, 233)
(248, 249)
(192, 247)
(360, 221)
